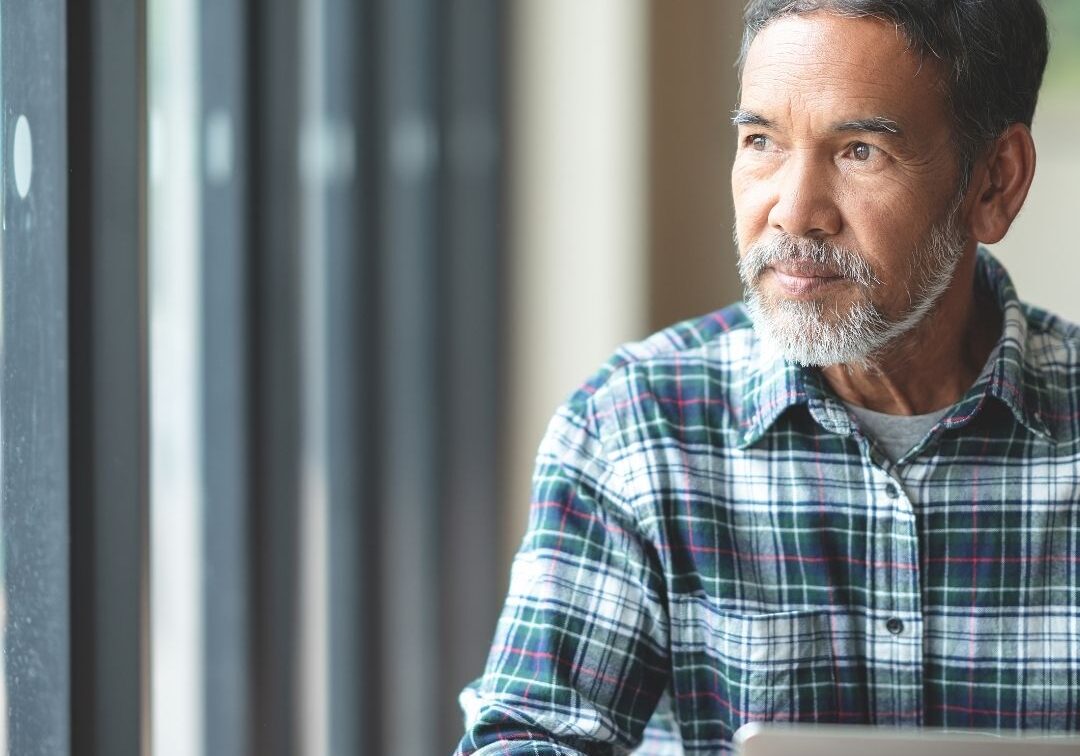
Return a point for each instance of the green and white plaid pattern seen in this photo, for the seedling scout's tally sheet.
(712, 541)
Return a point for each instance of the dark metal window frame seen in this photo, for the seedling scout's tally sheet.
(108, 352)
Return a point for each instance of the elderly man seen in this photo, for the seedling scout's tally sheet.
(854, 497)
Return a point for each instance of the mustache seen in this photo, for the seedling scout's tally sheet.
(785, 248)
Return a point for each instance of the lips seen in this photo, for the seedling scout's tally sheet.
(802, 278)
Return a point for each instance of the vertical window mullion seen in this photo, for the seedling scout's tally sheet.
(108, 369)
(344, 302)
(408, 403)
(470, 347)
(223, 123)
(275, 363)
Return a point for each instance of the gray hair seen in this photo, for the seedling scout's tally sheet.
(993, 53)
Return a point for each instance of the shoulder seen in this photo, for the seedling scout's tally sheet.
(688, 374)
(1053, 343)
(719, 339)
(1052, 367)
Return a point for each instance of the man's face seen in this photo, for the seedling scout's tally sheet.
(846, 187)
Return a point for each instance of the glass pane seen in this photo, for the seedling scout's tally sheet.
(176, 470)
(34, 667)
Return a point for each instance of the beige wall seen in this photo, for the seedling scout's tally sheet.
(693, 89)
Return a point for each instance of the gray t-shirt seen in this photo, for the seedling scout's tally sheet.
(895, 434)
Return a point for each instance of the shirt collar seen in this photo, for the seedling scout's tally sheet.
(1011, 375)
(777, 384)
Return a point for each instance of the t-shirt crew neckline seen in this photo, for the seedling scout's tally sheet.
(895, 435)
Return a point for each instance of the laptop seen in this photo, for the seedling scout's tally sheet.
(763, 739)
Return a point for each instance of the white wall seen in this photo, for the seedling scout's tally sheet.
(1041, 251)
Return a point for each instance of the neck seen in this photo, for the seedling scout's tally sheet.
(933, 365)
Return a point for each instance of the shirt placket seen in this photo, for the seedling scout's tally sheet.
(895, 621)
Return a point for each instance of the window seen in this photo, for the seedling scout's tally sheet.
(285, 265)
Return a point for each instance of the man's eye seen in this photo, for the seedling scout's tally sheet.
(758, 142)
(861, 151)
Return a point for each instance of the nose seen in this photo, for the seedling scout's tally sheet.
(804, 205)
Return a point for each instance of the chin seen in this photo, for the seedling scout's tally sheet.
(817, 332)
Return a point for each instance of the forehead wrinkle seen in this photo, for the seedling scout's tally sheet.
(832, 79)
(793, 71)
(806, 46)
(812, 35)
(821, 76)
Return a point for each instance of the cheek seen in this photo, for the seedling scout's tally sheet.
(886, 212)
(884, 227)
(889, 254)
(752, 199)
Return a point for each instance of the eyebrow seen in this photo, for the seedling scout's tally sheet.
(749, 118)
(874, 124)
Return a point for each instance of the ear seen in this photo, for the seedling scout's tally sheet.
(1000, 185)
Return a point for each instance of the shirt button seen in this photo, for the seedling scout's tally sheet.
(892, 491)
(894, 625)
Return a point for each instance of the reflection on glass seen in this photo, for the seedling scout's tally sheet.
(23, 156)
(219, 147)
(314, 564)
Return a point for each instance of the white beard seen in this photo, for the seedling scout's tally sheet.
(809, 334)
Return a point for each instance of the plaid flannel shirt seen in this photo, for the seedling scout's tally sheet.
(713, 541)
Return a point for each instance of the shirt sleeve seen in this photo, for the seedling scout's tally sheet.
(580, 655)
